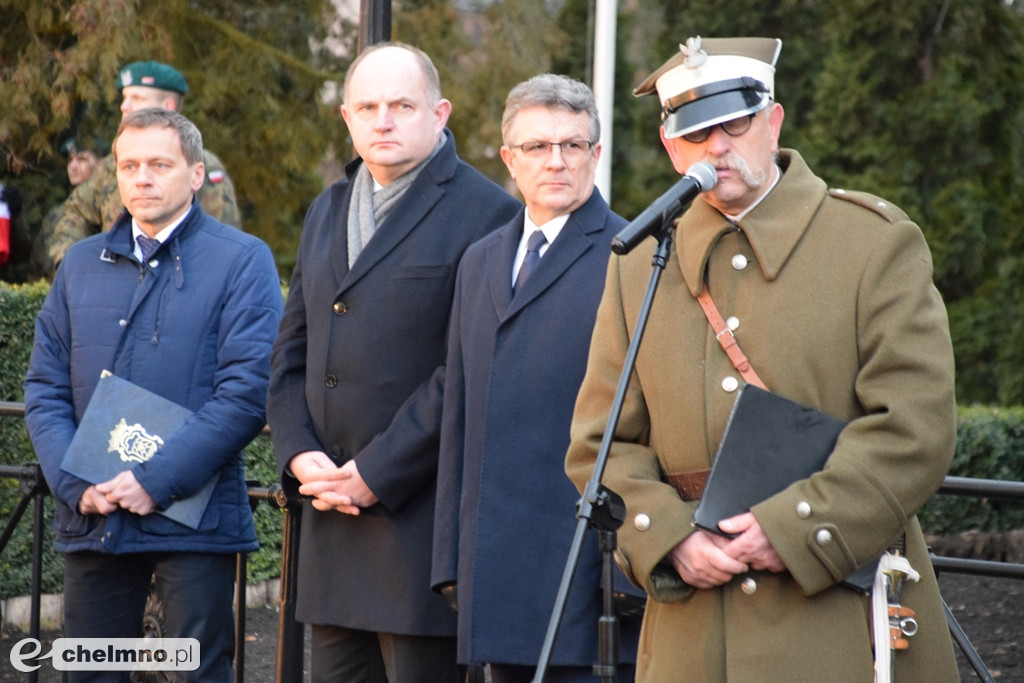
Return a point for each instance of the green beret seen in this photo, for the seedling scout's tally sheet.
(152, 75)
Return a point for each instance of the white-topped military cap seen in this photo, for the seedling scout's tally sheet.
(713, 80)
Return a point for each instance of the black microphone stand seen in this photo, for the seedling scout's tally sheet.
(600, 507)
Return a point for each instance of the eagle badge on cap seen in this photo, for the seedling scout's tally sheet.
(694, 55)
(711, 81)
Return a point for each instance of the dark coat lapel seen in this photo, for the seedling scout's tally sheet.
(501, 254)
(571, 243)
(418, 201)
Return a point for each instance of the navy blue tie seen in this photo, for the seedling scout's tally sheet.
(533, 245)
(148, 245)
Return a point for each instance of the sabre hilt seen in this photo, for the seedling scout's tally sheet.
(902, 620)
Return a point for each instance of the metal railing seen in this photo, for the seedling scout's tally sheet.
(291, 634)
(986, 488)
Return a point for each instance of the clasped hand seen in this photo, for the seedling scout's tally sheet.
(332, 487)
(706, 560)
(122, 491)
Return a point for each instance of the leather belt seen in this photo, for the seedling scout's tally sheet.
(689, 485)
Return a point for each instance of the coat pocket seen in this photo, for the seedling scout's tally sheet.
(69, 524)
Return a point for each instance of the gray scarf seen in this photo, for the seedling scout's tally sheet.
(368, 209)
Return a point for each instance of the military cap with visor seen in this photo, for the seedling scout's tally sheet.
(152, 75)
(712, 81)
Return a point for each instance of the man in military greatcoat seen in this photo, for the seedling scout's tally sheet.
(829, 294)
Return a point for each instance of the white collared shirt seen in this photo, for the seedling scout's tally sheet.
(160, 236)
(550, 230)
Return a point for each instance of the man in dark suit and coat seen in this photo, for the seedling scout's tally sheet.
(354, 404)
(516, 356)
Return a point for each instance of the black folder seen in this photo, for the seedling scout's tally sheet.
(125, 424)
(769, 443)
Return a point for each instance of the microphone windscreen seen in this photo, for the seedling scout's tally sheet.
(705, 174)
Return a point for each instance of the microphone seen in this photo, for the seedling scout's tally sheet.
(700, 177)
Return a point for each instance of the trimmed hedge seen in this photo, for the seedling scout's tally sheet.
(260, 466)
(18, 307)
(990, 445)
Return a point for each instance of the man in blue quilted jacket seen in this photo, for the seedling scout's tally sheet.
(186, 307)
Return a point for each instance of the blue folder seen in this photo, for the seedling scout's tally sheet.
(124, 425)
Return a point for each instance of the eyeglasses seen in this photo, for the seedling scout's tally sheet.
(733, 127)
(541, 149)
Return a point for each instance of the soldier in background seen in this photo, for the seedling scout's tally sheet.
(96, 204)
(85, 154)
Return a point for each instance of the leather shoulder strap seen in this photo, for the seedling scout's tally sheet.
(727, 339)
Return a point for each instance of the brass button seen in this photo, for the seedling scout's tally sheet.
(749, 585)
(340, 308)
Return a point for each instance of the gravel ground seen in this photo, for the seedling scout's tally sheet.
(989, 610)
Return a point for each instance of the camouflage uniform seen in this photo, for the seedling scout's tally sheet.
(96, 204)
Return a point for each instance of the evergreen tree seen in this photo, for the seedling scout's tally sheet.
(255, 82)
(922, 104)
(919, 102)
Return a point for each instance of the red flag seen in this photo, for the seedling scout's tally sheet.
(5, 232)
